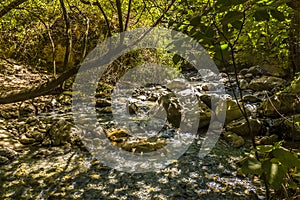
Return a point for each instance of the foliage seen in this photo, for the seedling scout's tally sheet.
(258, 30)
(280, 166)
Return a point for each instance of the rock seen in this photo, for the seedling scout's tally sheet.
(172, 108)
(3, 160)
(119, 135)
(250, 99)
(232, 112)
(243, 84)
(206, 99)
(62, 132)
(25, 140)
(244, 71)
(267, 140)
(284, 103)
(266, 83)
(205, 115)
(100, 103)
(258, 71)
(7, 152)
(291, 126)
(240, 127)
(233, 139)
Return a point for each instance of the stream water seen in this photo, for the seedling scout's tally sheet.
(73, 173)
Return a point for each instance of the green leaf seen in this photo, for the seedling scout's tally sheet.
(237, 24)
(261, 14)
(252, 166)
(265, 148)
(286, 158)
(232, 16)
(277, 15)
(195, 21)
(224, 47)
(275, 173)
(223, 5)
(176, 59)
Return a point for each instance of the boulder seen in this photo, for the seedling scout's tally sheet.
(283, 103)
(233, 111)
(205, 115)
(63, 132)
(291, 127)
(266, 83)
(172, 108)
(233, 139)
(240, 127)
(258, 71)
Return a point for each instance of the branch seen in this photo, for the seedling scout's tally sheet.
(96, 3)
(128, 14)
(10, 7)
(120, 17)
(68, 34)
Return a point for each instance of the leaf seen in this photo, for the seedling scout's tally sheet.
(176, 59)
(265, 148)
(286, 158)
(252, 166)
(261, 14)
(237, 24)
(224, 5)
(232, 16)
(277, 15)
(195, 21)
(275, 173)
(224, 47)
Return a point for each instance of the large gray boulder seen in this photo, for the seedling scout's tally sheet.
(266, 83)
(240, 127)
(281, 104)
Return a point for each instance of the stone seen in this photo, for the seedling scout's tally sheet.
(232, 111)
(243, 84)
(250, 99)
(240, 127)
(233, 139)
(100, 103)
(258, 71)
(7, 152)
(172, 108)
(291, 127)
(267, 140)
(25, 140)
(266, 83)
(3, 160)
(62, 132)
(283, 103)
(205, 115)
(243, 71)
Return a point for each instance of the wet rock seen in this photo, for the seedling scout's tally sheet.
(232, 112)
(266, 83)
(172, 108)
(258, 71)
(244, 71)
(291, 127)
(240, 127)
(250, 99)
(100, 103)
(233, 139)
(243, 84)
(7, 152)
(284, 103)
(205, 115)
(267, 140)
(63, 132)
(26, 140)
